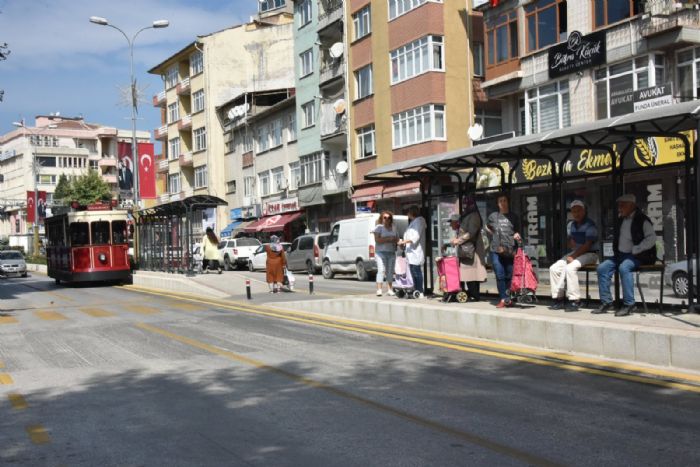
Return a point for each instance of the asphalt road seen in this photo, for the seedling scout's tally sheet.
(108, 376)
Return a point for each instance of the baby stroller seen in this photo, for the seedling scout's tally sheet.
(448, 274)
(524, 283)
(403, 282)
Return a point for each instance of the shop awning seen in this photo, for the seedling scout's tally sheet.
(368, 193)
(240, 228)
(375, 192)
(228, 230)
(401, 189)
(272, 223)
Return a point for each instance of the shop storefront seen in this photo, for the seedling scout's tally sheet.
(281, 217)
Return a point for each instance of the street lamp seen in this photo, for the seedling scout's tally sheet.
(161, 23)
(35, 172)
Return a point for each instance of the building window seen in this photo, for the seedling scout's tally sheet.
(306, 62)
(247, 142)
(490, 120)
(363, 82)
(362, 22)
(173, 113)
(267, 5)
(248, 184)
(276, 127)
(546, 23)
(200, 139)
(425, 54)
(231, 187)
(292, 127)
(294, 175)
(174, 148)
(174, 183)
(263, 138)
(200, 176)
(264, 179)
(418, 125)
(365, 142)
(688, 74)
(196, 63)
(309, 114)
(305, 13)
(278, 182)
(400, 7)
(171, 77)
(198, 100)
(478, 55)
(311, 167)
(615, 84)
(502, 39)
(46, 179)
(547, 107)
(230, 142)
(611, 11)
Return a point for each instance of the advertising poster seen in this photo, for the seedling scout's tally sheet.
(41, 209)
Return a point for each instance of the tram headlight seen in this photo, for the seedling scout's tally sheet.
(103, 258)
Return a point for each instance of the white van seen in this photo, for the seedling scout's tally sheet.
(351, 246)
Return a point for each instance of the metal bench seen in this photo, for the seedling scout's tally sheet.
(659, 266)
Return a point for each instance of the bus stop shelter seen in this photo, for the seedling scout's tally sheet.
(615, 136)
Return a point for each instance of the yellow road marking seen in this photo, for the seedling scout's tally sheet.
(38, 434)
(186, 306)
(6, 379)
(96, 312)
(468, 437)
(509, 352)
(49, 315)
(8, 320)
(18, 401)
(141, 309)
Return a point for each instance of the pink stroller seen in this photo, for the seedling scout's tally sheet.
(403, 282)
(450, 285)
(524, 283)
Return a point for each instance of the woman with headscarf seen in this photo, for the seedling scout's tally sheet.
(210, 251)
(471, 251)
(275, 264)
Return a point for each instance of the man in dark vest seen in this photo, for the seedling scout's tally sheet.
(635, 246)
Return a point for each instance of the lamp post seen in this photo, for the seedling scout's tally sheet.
(161, 23)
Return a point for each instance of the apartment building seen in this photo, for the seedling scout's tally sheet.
(204, 75)
(36, 156)
(410, 89)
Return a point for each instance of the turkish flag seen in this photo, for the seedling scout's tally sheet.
(147, 171)
(30, 206)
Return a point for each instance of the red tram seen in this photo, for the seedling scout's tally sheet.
(87, 246)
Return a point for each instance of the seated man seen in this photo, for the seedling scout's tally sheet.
(582, 239)
(635, 246)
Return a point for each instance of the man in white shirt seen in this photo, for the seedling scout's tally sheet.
(414, 242)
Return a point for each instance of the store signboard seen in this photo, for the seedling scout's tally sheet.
(281, 205)
(577, 53)
(653, 97)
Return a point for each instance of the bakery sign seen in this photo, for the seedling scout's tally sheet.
(279, 206)
(577, 53)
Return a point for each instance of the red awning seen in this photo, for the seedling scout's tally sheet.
(402, 189)
(368, 193)
(374, 192)
(272, 223)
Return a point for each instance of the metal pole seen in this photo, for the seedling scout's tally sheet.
(36, 202)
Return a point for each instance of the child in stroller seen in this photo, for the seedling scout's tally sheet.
(403, 282)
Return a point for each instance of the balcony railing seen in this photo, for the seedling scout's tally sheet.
(332, 121)
(666, 19)
(107, 162)
(161, 133)
(164, 198)
(332, 13)
(185, 122)
(331, 70)
(111, 179)
(162, 166)
(333, 184)
(186, 159)
(183, 87)
(159, 99)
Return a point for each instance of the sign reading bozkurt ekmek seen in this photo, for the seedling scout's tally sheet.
(577, 53)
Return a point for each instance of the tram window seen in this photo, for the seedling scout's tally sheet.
(79, 234)
(100, 233)
(119, 232)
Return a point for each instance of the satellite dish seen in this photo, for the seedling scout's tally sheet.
(336, 50)
(341, 167)
(476, 131)
(339, 106)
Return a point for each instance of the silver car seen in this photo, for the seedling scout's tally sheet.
(676, 276)
(12, 264)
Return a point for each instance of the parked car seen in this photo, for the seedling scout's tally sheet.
(351, 246)
(676, 276)
(12, 263)
(258, 260)
(306, 253)
(236, 251)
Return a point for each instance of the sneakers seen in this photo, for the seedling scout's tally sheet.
(379, 293)
(603, 308)
(390, 293)
(420, 295)
(559, 303)
(626, 310)
(573, 306)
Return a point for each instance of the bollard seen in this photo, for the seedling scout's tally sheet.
(311, 284)
(247, 288)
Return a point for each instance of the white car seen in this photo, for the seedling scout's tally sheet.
(236, 251)
(12, 264)
(258, 259)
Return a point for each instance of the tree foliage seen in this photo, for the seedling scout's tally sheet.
(62, 193)
(88, 189)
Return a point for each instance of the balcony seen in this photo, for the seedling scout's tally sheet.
(162, 166)
(111, 179)
(183, 87)
(681, 24)
(164, 198)
(161, 133)
(334, 184)
(185, 123)
(331, 70)
(333, 12)
(187, 193)
(107, 162)
(186, 159)
(159, 99)
(333, 120)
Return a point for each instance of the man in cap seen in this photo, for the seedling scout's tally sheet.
(635, 246)
(582, 239)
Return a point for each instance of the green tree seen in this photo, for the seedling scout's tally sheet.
(64, 191)
(90, 188)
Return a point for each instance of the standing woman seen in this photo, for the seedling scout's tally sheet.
(275, 264)
(504, 228)
(210, 249)
(471, 250)
(385, 238)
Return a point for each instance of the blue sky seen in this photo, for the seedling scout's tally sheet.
(60, 62)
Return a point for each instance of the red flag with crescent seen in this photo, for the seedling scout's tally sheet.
(41, 206)
(147, 171)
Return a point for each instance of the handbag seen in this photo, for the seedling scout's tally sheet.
(466, 250)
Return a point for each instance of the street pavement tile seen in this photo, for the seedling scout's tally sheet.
(49, 315)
